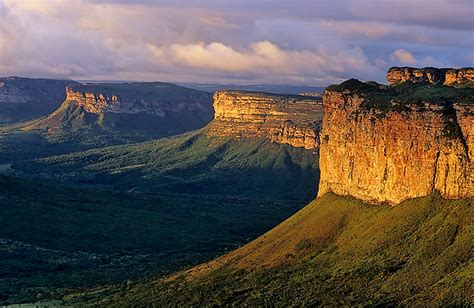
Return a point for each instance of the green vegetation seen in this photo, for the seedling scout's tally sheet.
(192, 163)
(417, 253)
(138, 210)
(55, 238)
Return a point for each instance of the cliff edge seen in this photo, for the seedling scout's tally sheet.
(386, 144)
(446, 76)
(285, 119)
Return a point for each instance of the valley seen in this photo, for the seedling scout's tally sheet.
(370, 246)
(124, 223)
(136, 210)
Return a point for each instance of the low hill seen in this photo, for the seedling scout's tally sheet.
(24, 99)
(335, 251)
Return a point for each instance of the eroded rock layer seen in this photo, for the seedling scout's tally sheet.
(382, 146)
(446, 76)
(286, 119)
(151, 98)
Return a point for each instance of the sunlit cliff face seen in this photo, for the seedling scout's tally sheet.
(291, 42)
(293, 120)
(388, 151)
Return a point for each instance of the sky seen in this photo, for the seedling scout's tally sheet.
(293, 42)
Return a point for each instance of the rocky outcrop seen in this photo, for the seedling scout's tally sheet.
(446, 76)
(137, 98)
(286, 119)
(131, 111)
(382, 146)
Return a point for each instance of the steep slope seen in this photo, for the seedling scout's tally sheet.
(335, 251)
(97, 115)
(27, 98)
(388, 144)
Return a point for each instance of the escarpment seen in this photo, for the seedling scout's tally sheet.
(386, 144)
(151, 98)
(285, 119)
(446, 76)
(151, 108)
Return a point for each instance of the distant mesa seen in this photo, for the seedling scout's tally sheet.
(287, 119)
(154, 98)
(446, 76)
(149, 108)
(386, 144)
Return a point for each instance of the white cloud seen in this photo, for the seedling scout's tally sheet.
(403, 57)
(265, 41)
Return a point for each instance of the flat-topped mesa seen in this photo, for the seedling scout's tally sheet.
(151, 98)
(285, 119)
(446, 76)
(386, 144)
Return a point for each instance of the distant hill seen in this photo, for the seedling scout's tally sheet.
(28, 98)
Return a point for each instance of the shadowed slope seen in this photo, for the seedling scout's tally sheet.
(335, 251)
(192, 163)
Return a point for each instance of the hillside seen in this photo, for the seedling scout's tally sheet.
(24, 99)
(270, 158)
(151, 108)
(335, 251)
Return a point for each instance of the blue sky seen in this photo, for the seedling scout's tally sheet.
(299, 42)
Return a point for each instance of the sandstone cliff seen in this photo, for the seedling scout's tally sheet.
(286, 119)
(139, 110)
(446, 76)
(387, 144)
(151, 98)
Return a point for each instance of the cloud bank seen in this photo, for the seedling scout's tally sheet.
(306, 42)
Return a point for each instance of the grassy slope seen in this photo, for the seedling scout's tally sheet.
(334, 251)
(192, 163)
